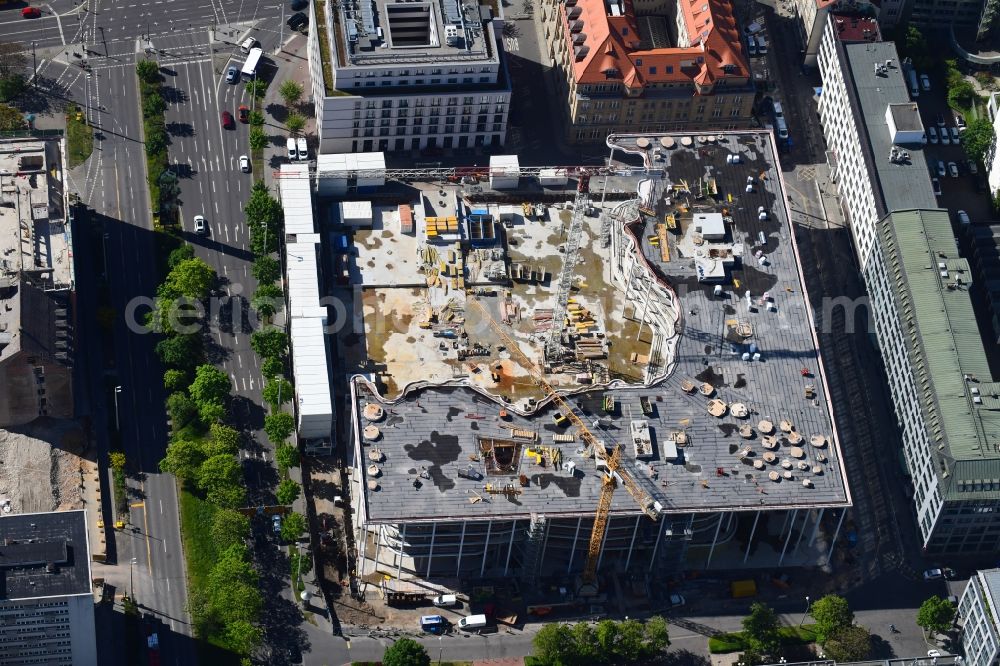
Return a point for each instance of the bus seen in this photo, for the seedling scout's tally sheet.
(250, 66)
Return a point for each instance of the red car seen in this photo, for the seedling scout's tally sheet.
(227, 120)
(31, 12)
(244, 113)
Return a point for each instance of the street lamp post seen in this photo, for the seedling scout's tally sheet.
(118, 389)
(806, 613)
(440, 649)
(34, 67)
(131, 587)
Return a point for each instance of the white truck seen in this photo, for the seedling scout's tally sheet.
(472, 622)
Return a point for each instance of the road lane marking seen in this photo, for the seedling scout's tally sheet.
(236, 386)
(244, 383)
(161, 506)
(239, 357)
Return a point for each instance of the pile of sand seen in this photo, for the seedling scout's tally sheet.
(40, 466)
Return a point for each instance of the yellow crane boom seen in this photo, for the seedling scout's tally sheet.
(609, 455)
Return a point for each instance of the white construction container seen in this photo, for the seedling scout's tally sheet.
(312, 378)
(505, 172)
(553, 177)
(340, 171)
(355, 213)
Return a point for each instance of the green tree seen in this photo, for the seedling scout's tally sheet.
(257, 87)
(286, 456)
(277, 392)
(183, 459)
(405, 651)
(977, 139)
(293, 526)
(179, 254)
(243, 636)
(156, 137)
(210, 389)
(232, 584)
(229, 527)
(850, 643)
(148, 71)
(269, 343)
(256, 118)
(272, 367)
(117, 461)
(554, 644)
(961, 95)
(10, 118)
(936, 615)
(219, 478)
(258, 138)
(179, 351)
(760, 628)
(279, 426)
(225, 439)
(295, 123)
(657, 634)
(175, 380)
(182, 410)
(211, 412)
(831, 614)
(266, 269)
(291, 92)
(153, 105)
(192, 278)
(288, 491)
(12, 87)
(264, 302)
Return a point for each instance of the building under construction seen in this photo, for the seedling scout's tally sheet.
(665, 348)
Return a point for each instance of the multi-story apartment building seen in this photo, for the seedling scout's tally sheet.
(391, 75)
(648, 65)
(849, 19)
(873, 131)
(946, 403)
(46, 599)
(978, 610)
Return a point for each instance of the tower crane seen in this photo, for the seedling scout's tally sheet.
(606, 452)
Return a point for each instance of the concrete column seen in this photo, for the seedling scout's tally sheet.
(461, 545)
(430, 553)
(805, 519)
(510, 547)
(795, 515)
(711, 551)
(545, 540)
(753, 531)
(819, 519)
(659, 535)
(833, 542)
(486, 547)
(378, 546)
(402, 543)
(572, 553)
(635, 531)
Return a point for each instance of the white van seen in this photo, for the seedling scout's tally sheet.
(445, 600)
(781, 127)
(303, 148)
(472, 622)
(761, 44)
(751, 45)
(248, 44)
(292, 152)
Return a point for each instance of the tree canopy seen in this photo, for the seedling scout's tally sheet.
(286, 456)
(209, 390)
(183, 459)
(288, 491)
(406, 652)
(269, 343)
(229, 528)
(760, 628)
(225, 440)
(293, 526)
(831, 614)
(850, 643)
(219, 477)
(265, 269)
(610, 642)
(279, 426)
(936, 614)
(977, 139)
(277, 391)
(179, 351)
(192, 278)
(291, 92)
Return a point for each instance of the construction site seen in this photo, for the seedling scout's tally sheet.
(566, 375)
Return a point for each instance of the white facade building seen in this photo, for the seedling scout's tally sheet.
(46, 599)
(977, 612)
(864, 90)
(992, 163)
(389, 75)
(314, 412)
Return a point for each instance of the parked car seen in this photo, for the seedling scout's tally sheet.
(200, 226)
(302, 147)
(945, 139)
(232, 75)
(248, 44)
(973, 169)
(244, 113)
(445, 600)
(940, 120)
(751, 45)
(932, 134)
(963, 217)
(960, 121)
(934, 653)
(953, 169)
(244, 164)
(676, 601)
(941, 171)
(925, 82)
(276, 523)
(956, 137)
(299, 5)
(936, 184)
(227, 120)
(298, 20)
(31, 12)
(933, 574)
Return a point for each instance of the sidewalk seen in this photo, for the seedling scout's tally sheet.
(292, 64)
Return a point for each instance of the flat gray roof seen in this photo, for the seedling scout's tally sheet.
(429, 436)
(31, 542)
(903, 185)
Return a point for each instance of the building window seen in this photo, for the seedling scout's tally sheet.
(652, 70)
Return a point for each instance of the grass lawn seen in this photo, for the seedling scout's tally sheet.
(199, 548)
(726, 643)
(257, 164)
(79, 137)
